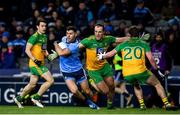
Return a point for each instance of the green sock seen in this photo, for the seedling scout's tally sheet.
(27, 96)
(36, 96)
(19, 98)
(109, 104)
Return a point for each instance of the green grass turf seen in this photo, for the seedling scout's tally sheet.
(79, 110)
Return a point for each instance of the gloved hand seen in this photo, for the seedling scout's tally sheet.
(100, 55)
(38, 63)
(52, 56)
(160, 73)
(145, 37)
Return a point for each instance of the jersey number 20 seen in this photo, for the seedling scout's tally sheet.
(132, 52)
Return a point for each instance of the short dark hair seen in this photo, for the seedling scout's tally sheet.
(40, 20)
(99, 24)
(73, 28)
(134, 31)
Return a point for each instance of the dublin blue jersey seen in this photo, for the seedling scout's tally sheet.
(70, 63)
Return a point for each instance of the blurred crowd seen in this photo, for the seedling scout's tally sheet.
(18, 18)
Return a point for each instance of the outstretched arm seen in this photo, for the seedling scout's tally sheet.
(121, 39)
(107, 55)
(81, 46)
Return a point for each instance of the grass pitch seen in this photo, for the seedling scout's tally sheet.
(79, 110)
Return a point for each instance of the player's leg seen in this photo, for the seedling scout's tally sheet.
(152, 80)
(81, 79)
(109, 80)
(118, 83)
(101, 84)
(135, 80)
(93, 84)
(89, 94)
(85, 87)
(95, 89)
(31, 85)
(139, 94)
(49, 80)
(98, 81)
(121, 89)
(74, 89)
(110, 83)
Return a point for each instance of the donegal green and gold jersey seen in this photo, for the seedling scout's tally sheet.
(93, 47)
(133, 56)
(39, 42)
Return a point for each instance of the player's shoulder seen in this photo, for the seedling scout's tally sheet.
(125, 43)
(108, 37)
(138, 40)
(91, 37)
(143, 42)
(88, 39)
(35, 35)
(64, 38)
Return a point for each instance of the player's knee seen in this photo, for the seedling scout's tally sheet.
(32, 85)
(51, 81)
(111, 87)
(105, 91)
(158, 85)
(87, 91)
(74, 91)
(154, 82)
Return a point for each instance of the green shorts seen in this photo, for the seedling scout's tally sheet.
(99, 75)
(140, 78)
(38, 71)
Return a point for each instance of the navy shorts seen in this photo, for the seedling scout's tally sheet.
(78, 76)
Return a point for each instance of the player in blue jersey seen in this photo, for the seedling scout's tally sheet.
(71, 66)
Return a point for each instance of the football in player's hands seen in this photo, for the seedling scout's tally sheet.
(62, 45)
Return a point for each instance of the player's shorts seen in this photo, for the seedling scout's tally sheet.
(140, 78)
(98, 75)
(38, 71)
(78, 76)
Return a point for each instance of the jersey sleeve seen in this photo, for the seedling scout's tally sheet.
(147, 47)
(32, 40)
(85, 42)
(112, 39)
(119, 47)
(64, 39)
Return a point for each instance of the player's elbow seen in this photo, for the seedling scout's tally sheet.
(27, 51)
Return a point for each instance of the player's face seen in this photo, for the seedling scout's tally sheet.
(99, 32)
(42, 27)
(71, 35)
